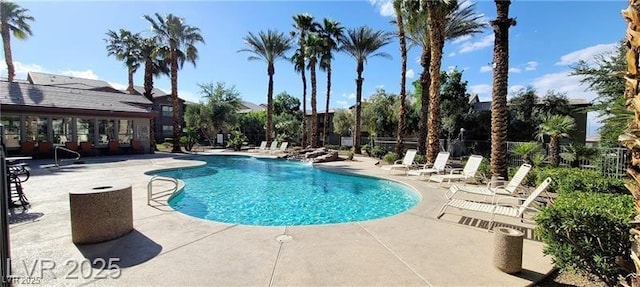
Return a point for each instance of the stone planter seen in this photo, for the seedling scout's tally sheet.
(507, 253)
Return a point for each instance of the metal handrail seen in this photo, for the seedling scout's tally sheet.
(159, 178)
(55, 155)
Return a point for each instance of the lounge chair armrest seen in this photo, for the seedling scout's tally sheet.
(504, 198)
(500, 183)
(397, 161)
(453, 189)
(456, 170)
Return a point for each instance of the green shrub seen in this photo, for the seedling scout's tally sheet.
(332, 146)
(585, 231)
(419, 159)
(391, 157)
(350, 155)
(378, 152)
(366, 149)
(572, 179)
(236, 140)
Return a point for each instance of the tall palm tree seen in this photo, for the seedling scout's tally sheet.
(125, 46)
(362, 43)
(13, 20)
(151, 55)
(462, 21)
(268, 46)
(303, 23)
(499, 110)
(398, 7)
(332, 33)
(179, 40)
(314, 48)
(556, 127)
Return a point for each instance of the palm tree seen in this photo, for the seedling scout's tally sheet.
(362, 43)
(13, 20)
(125, 46)
(154, 65)
(398, 6)
(303, 23)
(499, 110)
(268, 46)
(556, 127)
(314, 48)
(332, 33)
(462, 21)
(179, 40)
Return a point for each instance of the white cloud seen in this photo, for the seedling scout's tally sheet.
(410, 74)
(385, 7)
(461, 39)
(469, 46)
(485, 69)
(88, 74)
(515, 88)
(563, 82)
(483, 91)
(586, 54)
(531, 66)
(118, 86)
(21, 69)
(349, 96)
(452, 54)
(515, 70)
(342, 104)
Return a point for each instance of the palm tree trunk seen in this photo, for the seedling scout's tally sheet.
(130, 79)
(174, 101)
(314, 111)
(325, 129)
(148, 93)
(8, 58)
(403, 81)
(304, 108)
(436, 41)
(425, 82)
(555, 153)
(499, 110)
(356, 134)
(269, 130)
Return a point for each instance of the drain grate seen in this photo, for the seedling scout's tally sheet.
(283, 238)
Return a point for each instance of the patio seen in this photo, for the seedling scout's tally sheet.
(169, 248)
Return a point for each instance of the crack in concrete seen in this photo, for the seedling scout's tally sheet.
(275, 264)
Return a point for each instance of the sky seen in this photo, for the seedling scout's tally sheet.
(550, 37)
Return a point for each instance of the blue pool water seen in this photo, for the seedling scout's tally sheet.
(245, 190)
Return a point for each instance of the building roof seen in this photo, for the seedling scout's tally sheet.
(156, 92)
(62, 81)
(248, 107)
(43, 96)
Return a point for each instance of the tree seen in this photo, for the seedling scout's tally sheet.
(252, 125)
(454, 102)
(398, 7)
(125, 46)
(362, 43)
(303, 23)
(378, 114)
(285, 103)
(499, 110)
(313, 50)
(332, 33)
(343, 122)
(13, 20)
(179, 40)
(268, 47)
(523, 115)
(154, 65)
(556, 127)
(601, 74)
(462, 21)
(219, 111)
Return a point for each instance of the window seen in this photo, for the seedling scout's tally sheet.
(85, 129)
(61, 130)
(125, 131)
(11, 130)
(36, 128)
(167, 130)
(106, 131)
(167, 111)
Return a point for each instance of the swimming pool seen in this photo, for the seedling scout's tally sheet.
(251, 191)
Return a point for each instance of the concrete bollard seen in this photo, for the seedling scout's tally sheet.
(100, 213)
(507, 253)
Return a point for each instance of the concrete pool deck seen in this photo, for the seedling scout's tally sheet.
(168, 248)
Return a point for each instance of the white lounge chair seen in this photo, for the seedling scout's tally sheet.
(437, 167)
(405, 164)
(283, 148)
(261, 148)
(510, 189)
(272, 147)
(499, 208)
(469, 171)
